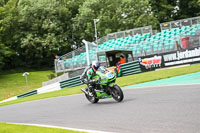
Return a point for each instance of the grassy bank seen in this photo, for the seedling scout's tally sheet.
(13, 128)
(12, 84)
(122, 81)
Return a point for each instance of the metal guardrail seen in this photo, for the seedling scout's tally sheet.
(131, 68)
(48, 88)
(75, 81)
(27, 94)
(180, 23)
(123, 34)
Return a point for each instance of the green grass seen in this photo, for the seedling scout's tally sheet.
(13, 128)
(122, 81)
(157, 75)
(14, 83)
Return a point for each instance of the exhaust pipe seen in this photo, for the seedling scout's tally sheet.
(84, 91)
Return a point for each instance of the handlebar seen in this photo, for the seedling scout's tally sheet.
(97, 81)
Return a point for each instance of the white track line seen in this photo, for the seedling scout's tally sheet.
(68, 128)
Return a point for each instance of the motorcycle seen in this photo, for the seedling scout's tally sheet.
(104, 87)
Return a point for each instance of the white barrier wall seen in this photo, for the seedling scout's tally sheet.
(49, 88)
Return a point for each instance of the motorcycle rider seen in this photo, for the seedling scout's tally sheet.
(87, 76)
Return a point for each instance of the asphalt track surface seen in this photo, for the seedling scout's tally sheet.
(167, 109)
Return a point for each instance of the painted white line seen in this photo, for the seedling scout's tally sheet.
(68, 128)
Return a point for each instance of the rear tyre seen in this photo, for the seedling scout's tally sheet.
(92, 99)
(117, 93)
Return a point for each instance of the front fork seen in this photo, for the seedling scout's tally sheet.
(110, 87)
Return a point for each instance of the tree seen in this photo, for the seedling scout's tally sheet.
(42, 32)
(3, 2)
(5, 52)
(7, 29)
(114, 15)
(188, 8)
(164, 10)
(37, 30)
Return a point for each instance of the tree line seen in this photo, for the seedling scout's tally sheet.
(32, 32)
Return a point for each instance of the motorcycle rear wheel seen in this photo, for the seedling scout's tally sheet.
(117, 93)
(92, 99)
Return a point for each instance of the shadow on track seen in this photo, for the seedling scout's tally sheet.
(111, 101)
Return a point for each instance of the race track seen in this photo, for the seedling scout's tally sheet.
(167, 109)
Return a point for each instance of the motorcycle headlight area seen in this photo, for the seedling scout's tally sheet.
(110, 75)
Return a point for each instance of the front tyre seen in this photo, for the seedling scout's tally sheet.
(117, 93)
(92, 99)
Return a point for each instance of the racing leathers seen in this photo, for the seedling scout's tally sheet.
(86, 78)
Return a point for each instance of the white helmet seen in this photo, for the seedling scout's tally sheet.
(95, 65)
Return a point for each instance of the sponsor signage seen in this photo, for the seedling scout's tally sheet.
(151, 62)
(182, 57)
(174, 58)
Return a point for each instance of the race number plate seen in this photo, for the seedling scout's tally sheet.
(110, 75)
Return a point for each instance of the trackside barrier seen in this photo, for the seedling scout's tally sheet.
(75, 81)
(45, 89)
(49, 88)
(9, 99)
(28, 94)
(130, 68)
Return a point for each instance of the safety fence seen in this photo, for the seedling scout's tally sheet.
(130, 68)
(126, 33)
(131, 32)
(84, 55)
(71, 61)
(180, 23)
(28, 94)
(75, 81)
(45, 89)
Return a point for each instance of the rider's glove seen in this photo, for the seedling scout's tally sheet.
(97, 81)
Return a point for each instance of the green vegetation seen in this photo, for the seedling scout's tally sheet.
(157, 75)
(122, 81)
(32, 32)
(14, 128)
(14, 83)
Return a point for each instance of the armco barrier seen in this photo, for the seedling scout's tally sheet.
(28, 94)
(130, 68)
(49, 88)
(75, 81)
(45, 89)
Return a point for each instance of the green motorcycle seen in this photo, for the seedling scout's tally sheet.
(104, 87)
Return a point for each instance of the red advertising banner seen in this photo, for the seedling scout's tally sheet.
(151, 62)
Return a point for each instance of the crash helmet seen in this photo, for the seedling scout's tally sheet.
(95, 65)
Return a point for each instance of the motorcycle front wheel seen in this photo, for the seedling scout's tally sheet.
(92, 99)
(117, 93)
